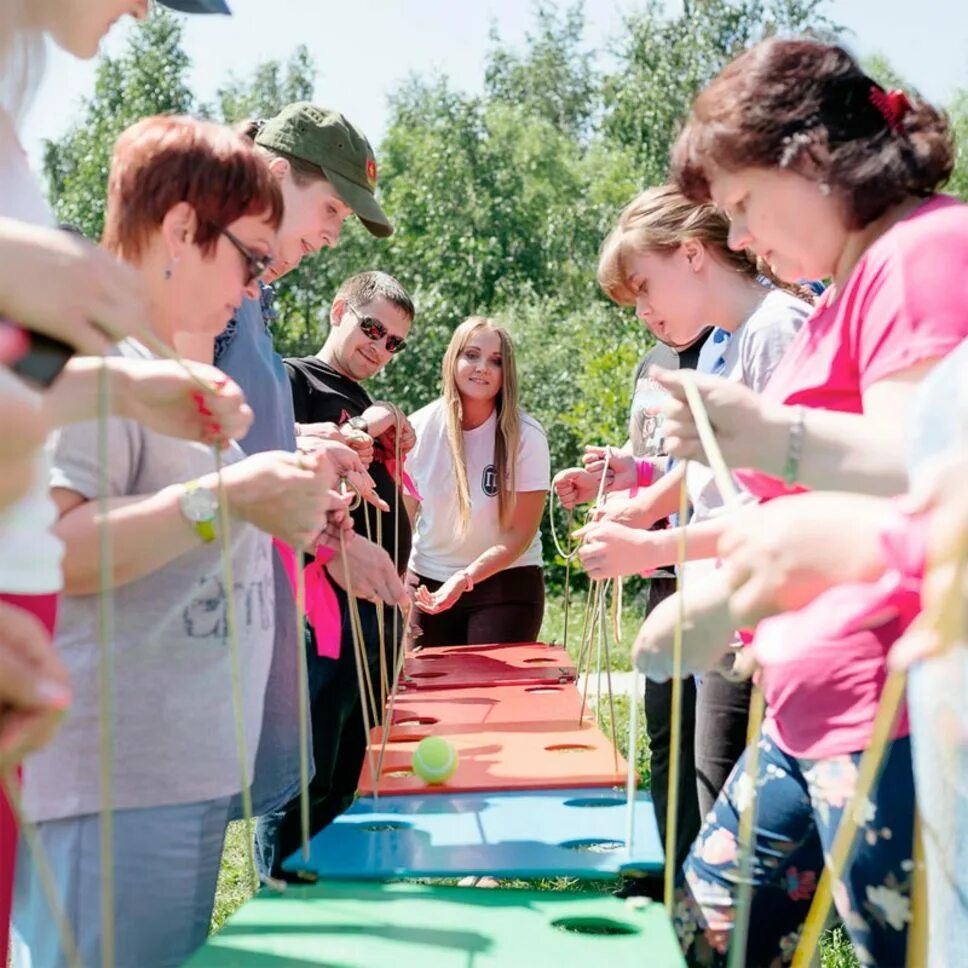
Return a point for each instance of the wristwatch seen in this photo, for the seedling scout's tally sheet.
(199, 506)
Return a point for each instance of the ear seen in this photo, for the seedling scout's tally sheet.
(280, 168)
(336, 312)
(178, 229)
(695, 253)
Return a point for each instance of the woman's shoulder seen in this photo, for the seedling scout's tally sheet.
(779, 307)
(431, 413)
(935, 232)
(530, 426)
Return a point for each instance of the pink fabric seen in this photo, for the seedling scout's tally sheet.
(322, 606)
(404, 480)
(45, 608)
(905, 302)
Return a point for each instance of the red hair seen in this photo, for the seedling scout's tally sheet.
(161, 161)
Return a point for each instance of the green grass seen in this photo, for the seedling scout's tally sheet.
(620, 653)
(233, 885)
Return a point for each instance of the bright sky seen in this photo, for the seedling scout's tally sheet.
(365, 48)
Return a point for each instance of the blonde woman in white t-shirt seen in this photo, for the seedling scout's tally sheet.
(482, 469)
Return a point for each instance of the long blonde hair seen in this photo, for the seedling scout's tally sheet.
(507, 435)
(660, 220)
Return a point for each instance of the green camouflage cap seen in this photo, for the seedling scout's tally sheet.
(327, 140)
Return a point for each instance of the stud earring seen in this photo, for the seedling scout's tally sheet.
(170, 268)
(824, 189)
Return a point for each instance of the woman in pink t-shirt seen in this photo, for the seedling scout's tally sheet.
(822, 174)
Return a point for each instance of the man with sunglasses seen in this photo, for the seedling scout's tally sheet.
(369, 322)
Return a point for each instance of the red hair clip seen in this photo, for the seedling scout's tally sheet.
(893, 105)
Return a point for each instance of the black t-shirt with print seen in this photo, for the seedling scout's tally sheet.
(321, 394)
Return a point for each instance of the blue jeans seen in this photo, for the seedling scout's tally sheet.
(799, 805)
(166, 863)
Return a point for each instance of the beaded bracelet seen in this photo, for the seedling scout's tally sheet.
(794, 448)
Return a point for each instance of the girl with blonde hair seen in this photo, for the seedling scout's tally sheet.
(482, 468)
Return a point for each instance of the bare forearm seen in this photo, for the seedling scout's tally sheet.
(701, 542)
(844, 452)
(145, 533)
(496, 558)
(74, 396)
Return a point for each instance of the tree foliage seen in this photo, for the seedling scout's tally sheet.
(500, 200)
(149, 77)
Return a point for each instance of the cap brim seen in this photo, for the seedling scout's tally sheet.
(197, 6)
(363, 203)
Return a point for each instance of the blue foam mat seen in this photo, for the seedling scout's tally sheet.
(539, 833)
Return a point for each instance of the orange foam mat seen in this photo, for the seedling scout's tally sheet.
(515, 757)
(426, 711)
(462, 666)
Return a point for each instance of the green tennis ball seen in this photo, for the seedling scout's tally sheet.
(434, 760)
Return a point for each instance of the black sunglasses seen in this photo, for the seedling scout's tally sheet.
(256, 265)
(375, 330)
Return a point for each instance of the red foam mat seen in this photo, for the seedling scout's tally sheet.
(515, 757)
(463, 666)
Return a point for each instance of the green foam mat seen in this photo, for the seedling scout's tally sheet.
(352, 925)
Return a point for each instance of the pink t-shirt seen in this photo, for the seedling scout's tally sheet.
(823, 668)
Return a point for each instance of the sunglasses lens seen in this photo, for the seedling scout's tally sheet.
(372, 328)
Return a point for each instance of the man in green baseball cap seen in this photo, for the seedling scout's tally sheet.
(327, 172)
(329, 141)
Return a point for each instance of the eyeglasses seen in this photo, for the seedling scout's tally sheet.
(375, 330)
(256, 265)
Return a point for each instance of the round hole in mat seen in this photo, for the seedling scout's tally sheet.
(544, 689)
(593, 846)
(384, 826)
(397, 774)
(595, 802)
(427, 675)
(412, 722)
(539, 659)
(569, 748)
(599, 926)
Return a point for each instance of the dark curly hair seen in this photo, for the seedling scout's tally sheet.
(807, 107)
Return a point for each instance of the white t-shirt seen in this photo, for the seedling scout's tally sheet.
(30, 555)
(750, 357)
(439, 549)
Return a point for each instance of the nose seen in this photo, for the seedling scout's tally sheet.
(141, 10)
(739, 236)
(333, 233)
(642, 308)
(252, 289)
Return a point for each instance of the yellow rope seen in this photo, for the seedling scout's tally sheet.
(841, 851)
(38, 856)
(105, 712)
(359, 654)
(235, 660)
(675, 714)
(302, 680)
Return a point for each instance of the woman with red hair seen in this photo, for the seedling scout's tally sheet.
(194, 211)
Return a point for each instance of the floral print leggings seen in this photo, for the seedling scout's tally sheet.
(799, 805)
